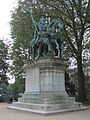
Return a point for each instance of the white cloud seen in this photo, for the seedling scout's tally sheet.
(5, 7)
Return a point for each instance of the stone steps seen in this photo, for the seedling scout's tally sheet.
(47, 107)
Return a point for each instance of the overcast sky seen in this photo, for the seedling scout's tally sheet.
(5, 7)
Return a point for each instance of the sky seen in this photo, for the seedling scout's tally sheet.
(6, 6)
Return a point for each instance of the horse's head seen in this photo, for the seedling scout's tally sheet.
(58, 25)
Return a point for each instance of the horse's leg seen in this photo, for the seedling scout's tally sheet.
(57, 45)
(39, 51)
(44, 49)
(50, 49)
(62, 49)
(33, 55)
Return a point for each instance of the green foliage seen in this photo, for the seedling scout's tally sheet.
(3, 62)
(74, 15)
(22, 32)
(21, 35)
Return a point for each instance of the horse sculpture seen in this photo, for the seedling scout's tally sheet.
(54, 31)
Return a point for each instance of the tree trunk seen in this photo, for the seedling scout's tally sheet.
(81, 82)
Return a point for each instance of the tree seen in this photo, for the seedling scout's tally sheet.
(75, 15)
(3, 62)
(22, 32)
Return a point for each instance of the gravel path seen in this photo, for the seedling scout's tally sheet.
(9, 114)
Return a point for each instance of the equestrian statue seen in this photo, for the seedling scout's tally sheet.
(47, 40)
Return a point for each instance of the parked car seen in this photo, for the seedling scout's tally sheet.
(3, 97)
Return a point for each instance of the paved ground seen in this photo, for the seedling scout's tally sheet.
(8, 114)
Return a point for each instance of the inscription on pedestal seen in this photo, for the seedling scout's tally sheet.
(32, 80)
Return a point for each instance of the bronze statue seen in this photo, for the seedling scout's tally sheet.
(47, 38)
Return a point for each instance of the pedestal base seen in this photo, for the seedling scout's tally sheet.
(45, 89)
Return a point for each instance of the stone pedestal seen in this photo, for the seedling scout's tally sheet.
(45, 88)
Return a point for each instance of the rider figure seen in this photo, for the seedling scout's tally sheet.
(42, 37)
